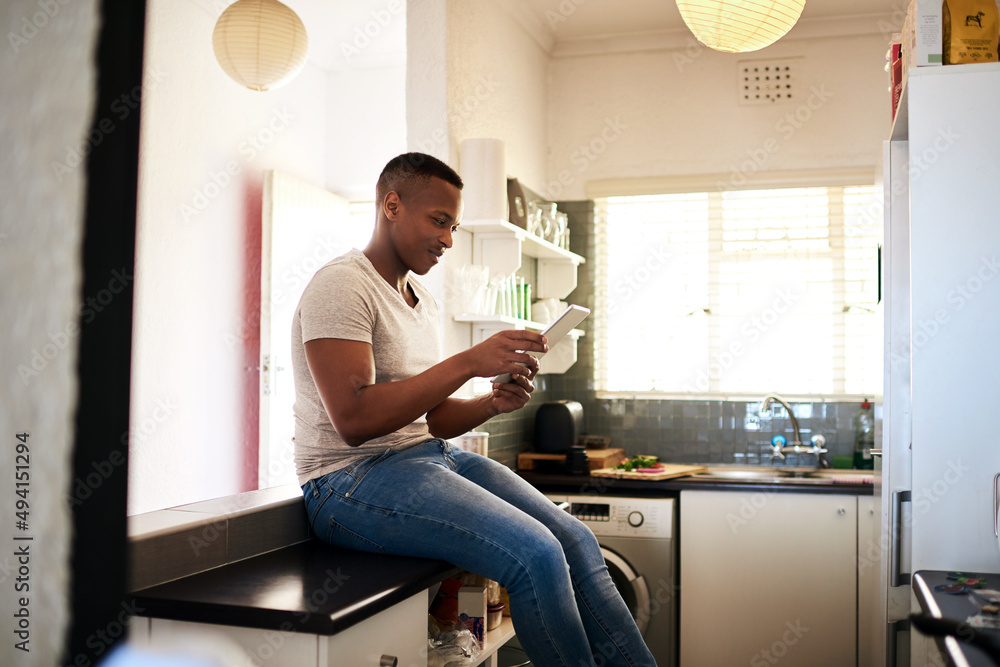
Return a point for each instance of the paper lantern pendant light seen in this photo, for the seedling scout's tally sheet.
(260, 44)
(740, 25)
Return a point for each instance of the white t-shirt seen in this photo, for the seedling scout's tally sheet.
(348, 299)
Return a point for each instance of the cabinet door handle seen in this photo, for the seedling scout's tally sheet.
(876, 452)
(388, 661)
(897, 578)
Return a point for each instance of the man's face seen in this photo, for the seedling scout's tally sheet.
(424, 223)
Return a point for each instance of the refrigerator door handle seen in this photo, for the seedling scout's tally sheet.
(897, 578)
(996, 506)
(892, 640)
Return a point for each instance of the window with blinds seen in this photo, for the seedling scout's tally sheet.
(739, 293)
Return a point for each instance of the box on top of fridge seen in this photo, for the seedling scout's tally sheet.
(922, 36)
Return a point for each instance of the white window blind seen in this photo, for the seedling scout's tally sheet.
(739, 293)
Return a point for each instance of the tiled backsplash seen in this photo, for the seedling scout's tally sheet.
(715, 431)
(512, 433)
(678, 431)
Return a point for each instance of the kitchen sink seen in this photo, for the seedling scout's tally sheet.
(764, 474)
(761, 475)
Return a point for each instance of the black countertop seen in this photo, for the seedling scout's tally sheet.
(956, 608)
(587, 485)
(309, 587)
(315, 588)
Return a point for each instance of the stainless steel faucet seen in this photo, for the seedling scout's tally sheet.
(817, 441)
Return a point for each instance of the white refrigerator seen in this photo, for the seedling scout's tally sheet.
(941, 305)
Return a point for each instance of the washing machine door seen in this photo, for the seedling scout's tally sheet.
(632, 587)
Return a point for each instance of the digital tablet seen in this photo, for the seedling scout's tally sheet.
(555, 332)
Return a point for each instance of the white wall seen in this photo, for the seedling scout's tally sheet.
(473, 71)
(497, 86)
(48, 79)
(365, 127)
(196, 335)
(676, 112)
(205, 145)
(427, 79)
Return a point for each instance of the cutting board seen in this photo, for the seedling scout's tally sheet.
(597, 458)
(667, 472)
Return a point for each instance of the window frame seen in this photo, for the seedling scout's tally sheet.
(602, 189)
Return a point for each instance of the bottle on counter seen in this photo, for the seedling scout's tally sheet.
(864, 437)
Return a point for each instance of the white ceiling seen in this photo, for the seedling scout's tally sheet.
(338, 39)
(607, 17)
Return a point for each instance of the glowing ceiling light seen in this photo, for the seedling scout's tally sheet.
(740, 25)
(260, 44)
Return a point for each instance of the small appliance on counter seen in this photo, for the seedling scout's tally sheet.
(577, 461)
(558, 425)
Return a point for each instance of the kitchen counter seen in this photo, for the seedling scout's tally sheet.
(315, 588)
(585, 484)
(939, 604)
(308, 587)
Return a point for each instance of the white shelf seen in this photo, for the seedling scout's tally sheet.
(494, 640)
(531, 245)
(504, 322)
(501, 246)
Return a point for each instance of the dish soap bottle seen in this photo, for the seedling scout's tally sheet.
(864, 437)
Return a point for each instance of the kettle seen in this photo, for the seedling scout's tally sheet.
(558, 425)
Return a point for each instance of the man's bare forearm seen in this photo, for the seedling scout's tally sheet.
(385, 407)
(455, 416)
(368, 410)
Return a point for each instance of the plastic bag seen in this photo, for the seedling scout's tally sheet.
(451, 648)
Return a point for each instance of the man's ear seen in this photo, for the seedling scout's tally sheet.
(390, 205)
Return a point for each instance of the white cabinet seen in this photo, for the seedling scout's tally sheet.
(231, 645)
(768, 577)
(503, 246)
(399, 631)
(867, 562)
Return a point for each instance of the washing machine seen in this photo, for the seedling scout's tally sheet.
(637, 538)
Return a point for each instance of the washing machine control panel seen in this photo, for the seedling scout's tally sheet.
(623, 517)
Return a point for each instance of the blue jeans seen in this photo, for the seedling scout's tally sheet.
(436, 501)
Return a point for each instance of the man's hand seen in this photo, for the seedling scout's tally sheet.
(498, 354)
(513, 395)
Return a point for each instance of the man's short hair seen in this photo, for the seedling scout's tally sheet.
(404, 173)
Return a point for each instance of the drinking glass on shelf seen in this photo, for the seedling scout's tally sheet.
(540, 311)
(475, 281)
(561, 230)
(550, 214)
(534, 218)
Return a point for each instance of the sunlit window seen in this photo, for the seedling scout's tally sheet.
(739, 292)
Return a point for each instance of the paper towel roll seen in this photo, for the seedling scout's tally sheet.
(484, 172)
